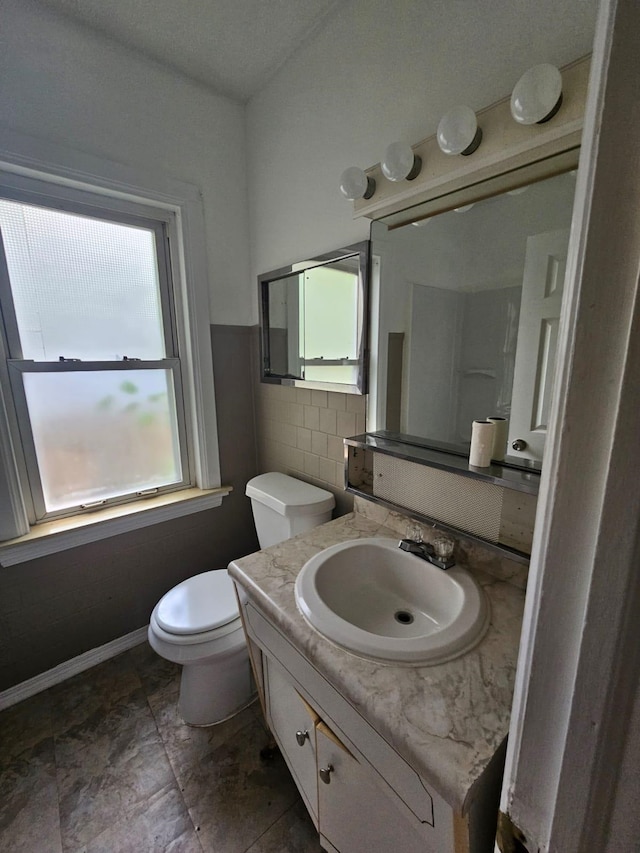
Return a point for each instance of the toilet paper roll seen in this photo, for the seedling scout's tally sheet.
(482, 433)
(500, 436)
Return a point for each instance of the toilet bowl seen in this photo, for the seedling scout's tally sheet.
(197, 623)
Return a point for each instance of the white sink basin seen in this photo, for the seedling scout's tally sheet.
(383, 603)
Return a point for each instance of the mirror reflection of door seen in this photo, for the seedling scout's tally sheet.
(542, 287)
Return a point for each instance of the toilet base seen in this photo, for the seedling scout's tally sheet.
(211, 692)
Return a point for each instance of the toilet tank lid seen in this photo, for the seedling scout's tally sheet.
(288, 496)
(201, 603)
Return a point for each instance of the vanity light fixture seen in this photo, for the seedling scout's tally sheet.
(537, 96)
(400, 163)
(458, 131)
(354, 183)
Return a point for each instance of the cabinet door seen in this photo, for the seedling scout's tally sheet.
(292, 723)
(355, 815)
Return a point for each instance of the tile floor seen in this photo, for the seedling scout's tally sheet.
(103, 764)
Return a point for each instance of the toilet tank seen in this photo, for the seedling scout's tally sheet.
(283, 507)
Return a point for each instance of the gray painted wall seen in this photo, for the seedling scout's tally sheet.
(57, 607)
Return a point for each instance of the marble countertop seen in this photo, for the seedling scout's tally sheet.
(447, 720)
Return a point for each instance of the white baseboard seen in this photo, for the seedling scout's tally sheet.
(70, 667)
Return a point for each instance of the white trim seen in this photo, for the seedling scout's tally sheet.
(58, 164)
(70, 668)
(60, 535)
(579, 663)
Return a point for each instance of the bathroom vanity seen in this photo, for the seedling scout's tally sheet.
(385, 756)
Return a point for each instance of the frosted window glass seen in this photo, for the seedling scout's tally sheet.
(103, 434)
(82, 287)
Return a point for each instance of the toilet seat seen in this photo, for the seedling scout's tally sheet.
(196, 639)
(202, 605)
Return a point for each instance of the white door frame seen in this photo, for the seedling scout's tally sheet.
(579, 661)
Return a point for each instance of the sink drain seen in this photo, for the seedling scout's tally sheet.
(403, 617)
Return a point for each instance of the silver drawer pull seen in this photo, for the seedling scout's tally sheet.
(325, 773)
(301, 737)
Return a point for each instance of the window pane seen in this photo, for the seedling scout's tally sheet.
(82, 287)
(103, 434)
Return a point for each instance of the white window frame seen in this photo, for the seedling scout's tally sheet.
(45, 169)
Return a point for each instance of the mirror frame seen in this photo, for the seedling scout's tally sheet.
(363, 251)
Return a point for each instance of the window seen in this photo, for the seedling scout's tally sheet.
(99, 403)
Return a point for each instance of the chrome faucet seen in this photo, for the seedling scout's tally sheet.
(440, 553)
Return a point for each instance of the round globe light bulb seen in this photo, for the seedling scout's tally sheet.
(458, 131)
(537, 96)
(354, 184)
(400, 163)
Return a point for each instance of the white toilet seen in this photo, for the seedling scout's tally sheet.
(197, 623)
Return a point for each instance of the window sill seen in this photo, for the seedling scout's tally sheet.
(53, 536)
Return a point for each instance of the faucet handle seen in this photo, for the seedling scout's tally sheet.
(414, 532)
(443, 548)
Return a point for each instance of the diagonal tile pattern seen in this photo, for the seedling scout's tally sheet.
(103, 764)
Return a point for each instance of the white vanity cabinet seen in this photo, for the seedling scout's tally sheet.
(292, 722)
(362, 795)
(355, 815)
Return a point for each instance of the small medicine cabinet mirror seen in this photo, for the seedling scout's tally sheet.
(313, 322)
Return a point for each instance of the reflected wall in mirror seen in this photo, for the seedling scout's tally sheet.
(313, 321)
(469, 308)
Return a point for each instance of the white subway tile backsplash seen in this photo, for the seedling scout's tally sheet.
(328, 421)
(346, 424)
(312, 417)
(319, 443)
(304, 439)
(355, 403)
(335, 448)
(296, 414)
(299, 431)
(319, 398)
(311, 465)
(336, 401)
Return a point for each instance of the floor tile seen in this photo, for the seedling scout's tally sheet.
(29, 817)
(24, 725)
(293, 833)
(187, 745)
(99, 688)
(233, 796)
(103, 763)
(106, 766)
(161, 823)
(155, 672)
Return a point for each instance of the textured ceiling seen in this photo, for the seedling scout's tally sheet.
(232, 46)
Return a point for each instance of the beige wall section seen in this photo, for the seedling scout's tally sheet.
(300, 432)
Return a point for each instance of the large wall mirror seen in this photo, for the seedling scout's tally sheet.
(468, 306)
(313, 321)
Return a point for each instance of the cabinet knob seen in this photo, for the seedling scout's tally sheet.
(325, 773)
(519, 444)
(301, 737)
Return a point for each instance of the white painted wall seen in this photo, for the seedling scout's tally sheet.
(61, 83)
(375, 73)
